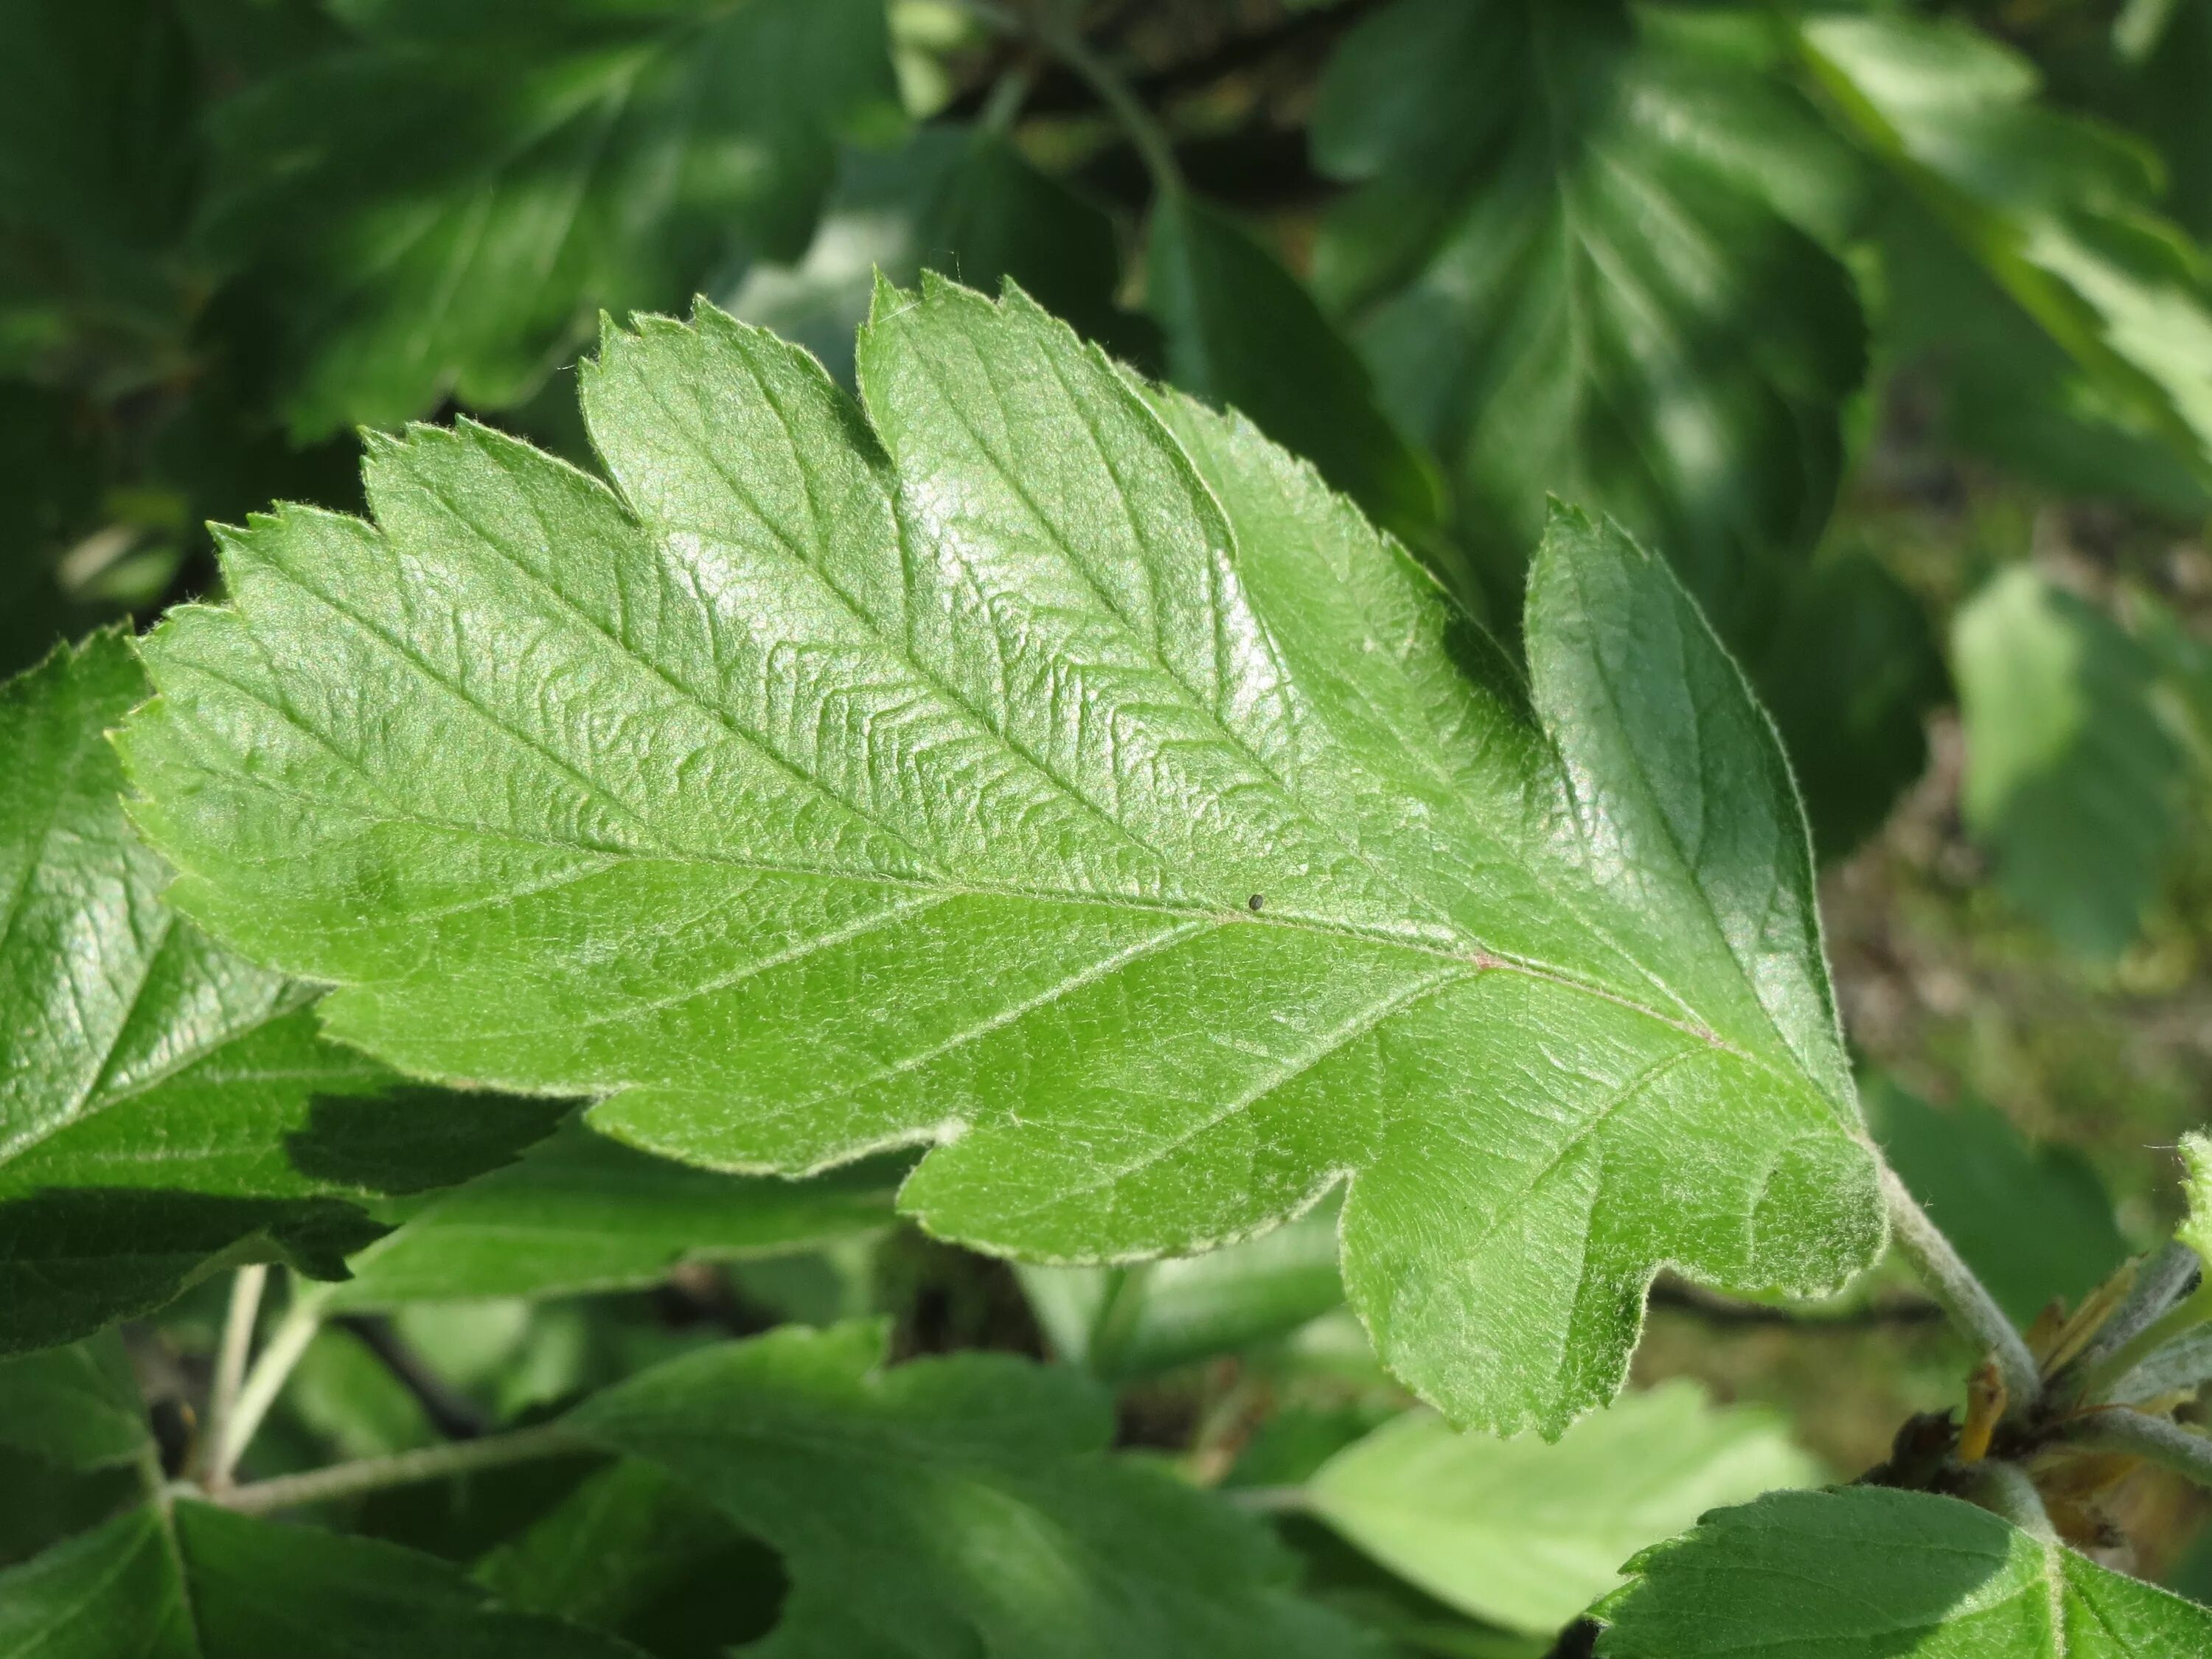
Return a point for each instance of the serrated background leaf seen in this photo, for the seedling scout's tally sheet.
(1567, 268)
(957, 1506)
(2073, 782)
(166, 1107)
(1867, 1571)
(200, 1583)
(439, 202)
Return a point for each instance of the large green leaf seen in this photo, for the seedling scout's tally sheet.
(963, 1506)
(581, 1212)
(442, 202)
(1571, 275)
(1526, 1535)
(1871, 1573)
(2056, 209)
(963, 202)
(1241, 331)
(166, 1107)
(200, 1583)
(2072, 779)
(1072, 782)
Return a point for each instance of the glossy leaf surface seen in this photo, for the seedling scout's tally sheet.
(1070, 781)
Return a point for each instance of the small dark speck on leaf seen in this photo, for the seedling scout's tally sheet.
(1255, 901)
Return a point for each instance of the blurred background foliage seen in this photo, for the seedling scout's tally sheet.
(1891, 325)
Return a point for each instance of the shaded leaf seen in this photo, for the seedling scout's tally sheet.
(203, 1583)
(1241, 331)
(2003, 388)
(78, 1407)
(957, 1506)
(1120, 1322)
(2033, 1222)
(963, 202)
(441, 204)
(636, 1552)
(2057, 208)
(1570, 275)
(97, 161)
(1073, 782)
(1850, 673)
(2072, 780)
(1527, 1534)
(1867, 1571)
(165, 1107)
(581, 1213)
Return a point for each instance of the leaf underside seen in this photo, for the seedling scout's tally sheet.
(1047, 770)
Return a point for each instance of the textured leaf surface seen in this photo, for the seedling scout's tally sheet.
(77, 1406)
(1242, 331)
(166, 1106)
(2072, 781)
(581, 1212)
(2057, 208)
(963, 1506)
(441, 203)
(1072, 782)
(2033, 1222)
(204, 1584)
(1570, 276)
(1527, 1534)
(1869, 1573)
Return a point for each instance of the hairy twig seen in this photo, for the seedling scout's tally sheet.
(2154, 1439)
(1963, 1296)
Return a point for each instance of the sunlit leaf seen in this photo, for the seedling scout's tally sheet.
(1527, 1534)
(1072, 782)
